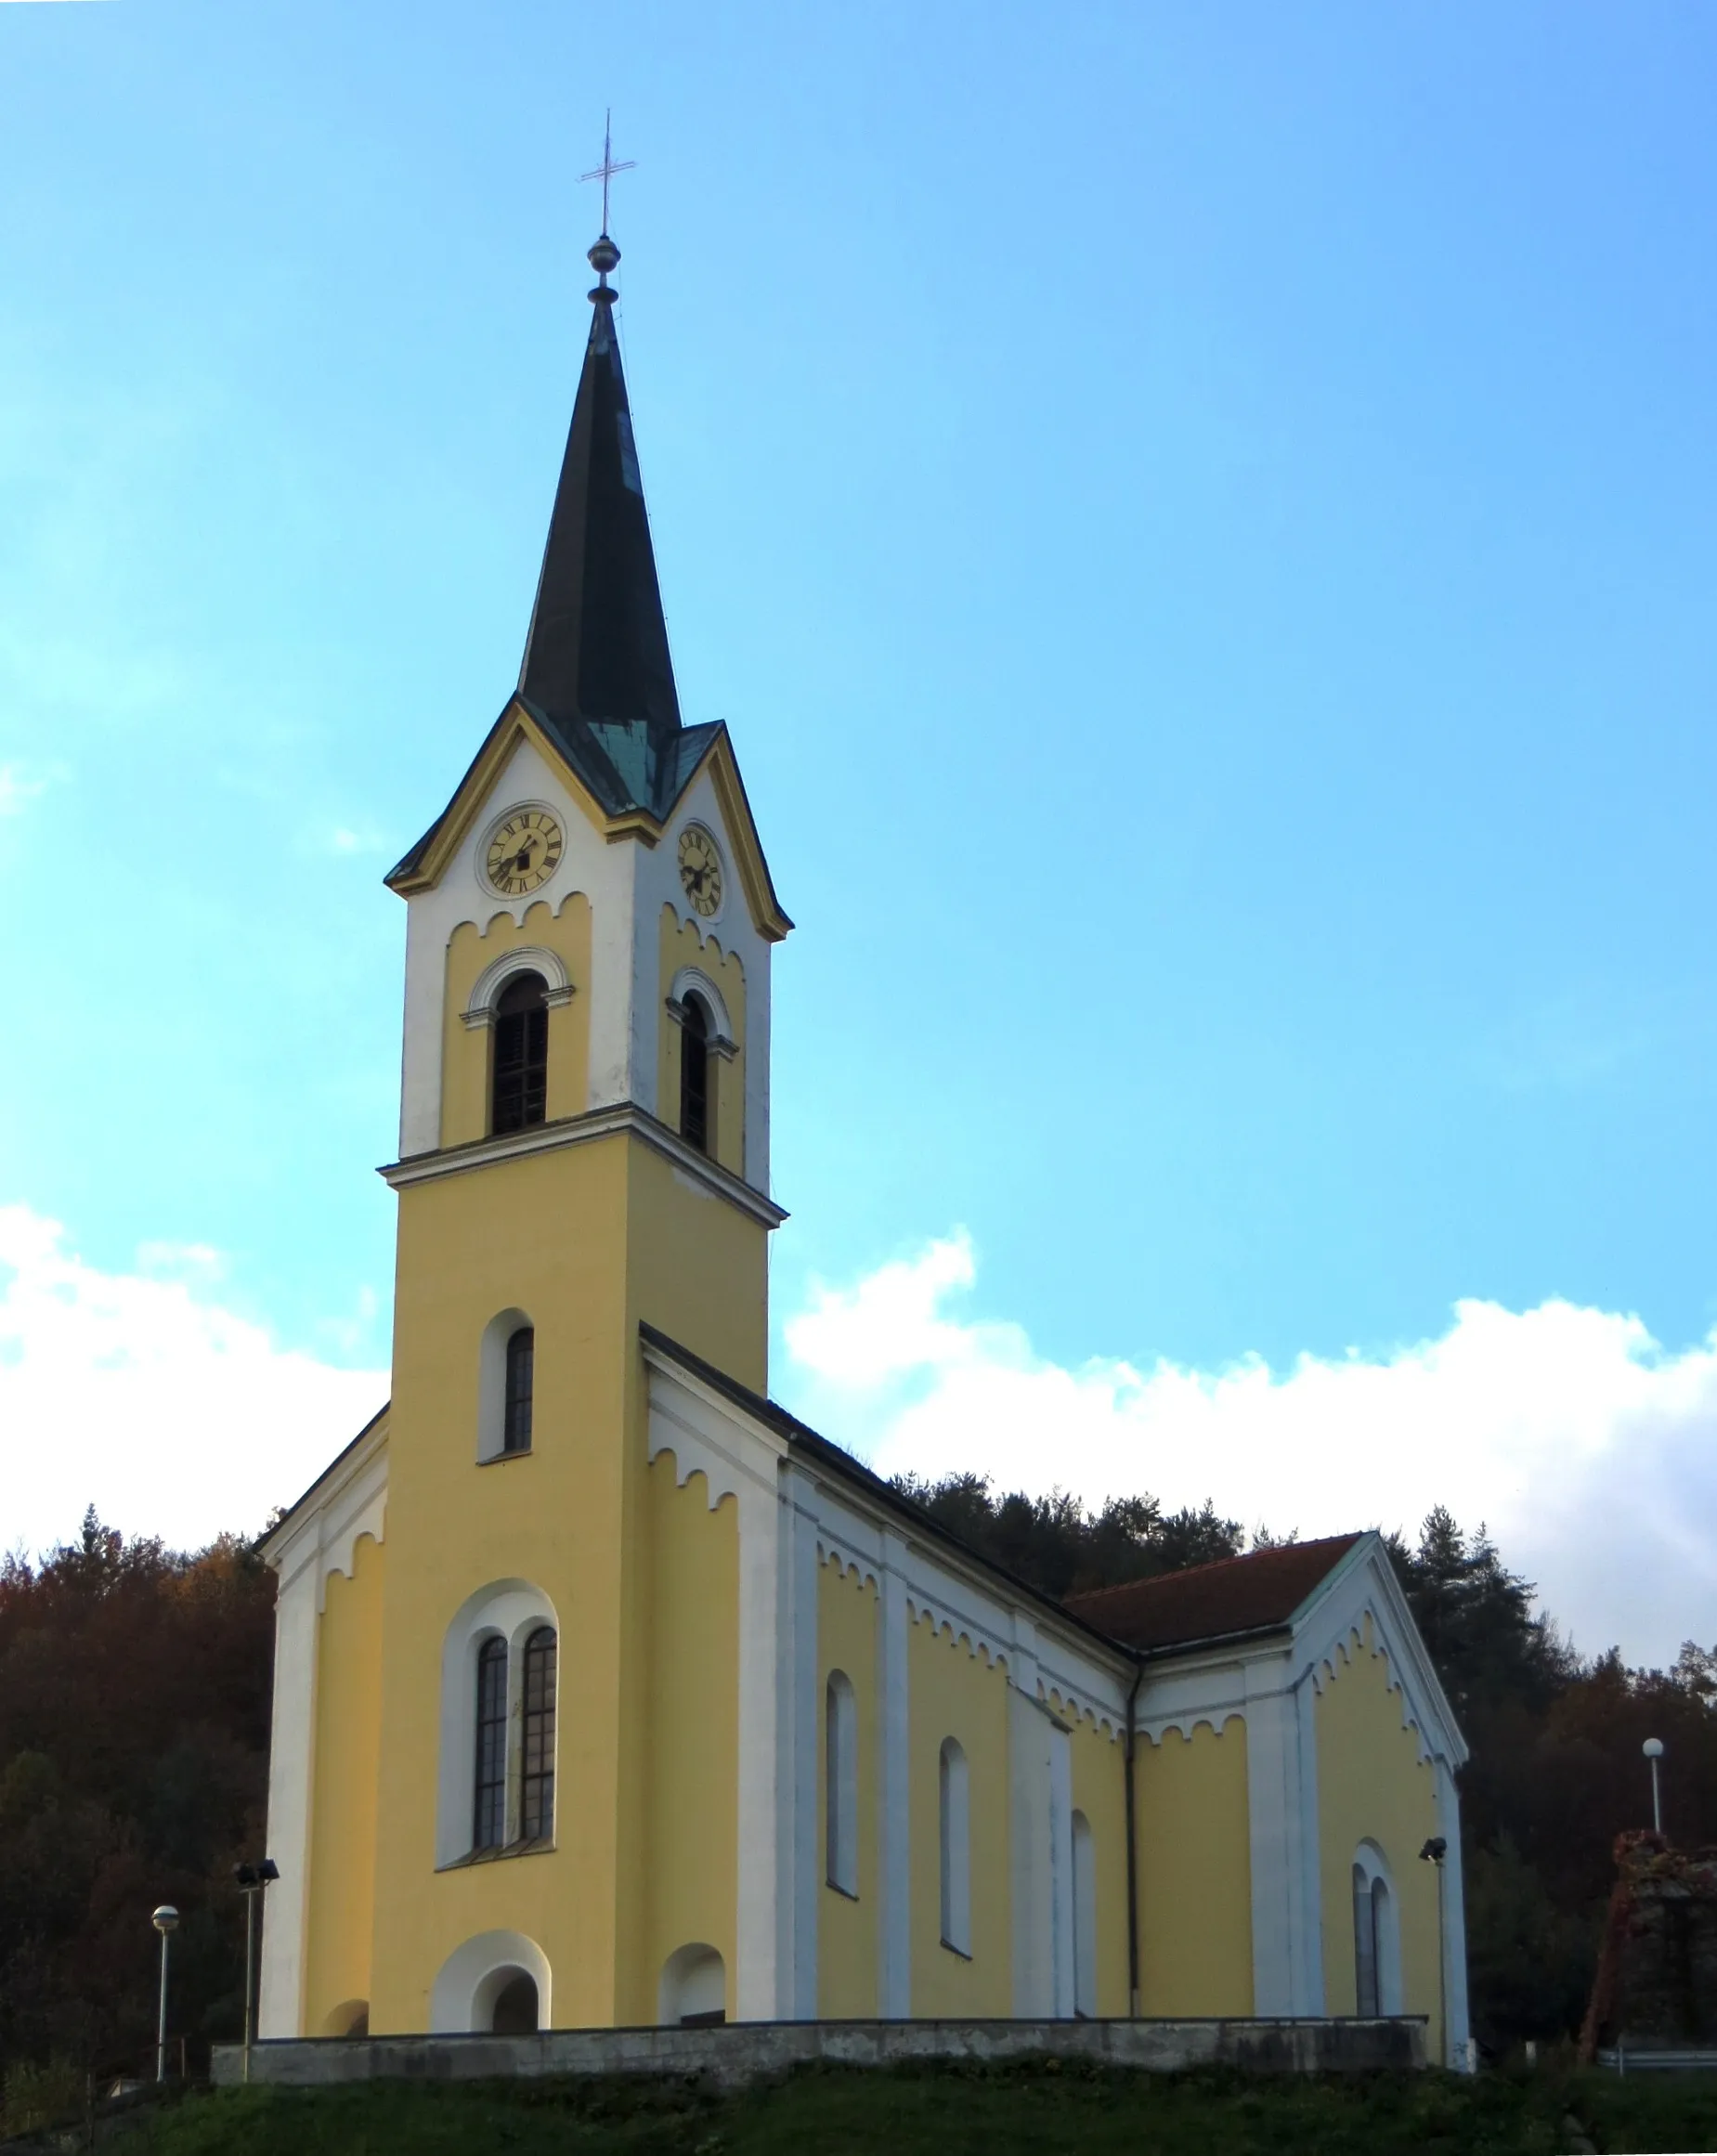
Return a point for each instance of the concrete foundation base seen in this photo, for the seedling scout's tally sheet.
(746, 2051)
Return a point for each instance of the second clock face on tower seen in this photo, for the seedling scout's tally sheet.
(523, 851)
(700, 870)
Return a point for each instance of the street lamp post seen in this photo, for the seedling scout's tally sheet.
(166, 1921)
(1653, 1749)
(1434, 1851)
(253, 1881)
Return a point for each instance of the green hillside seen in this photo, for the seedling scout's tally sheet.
(1035, 2108)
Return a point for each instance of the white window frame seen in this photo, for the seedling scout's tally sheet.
(507, 1609)
(1385, 1918)
(492, 1384)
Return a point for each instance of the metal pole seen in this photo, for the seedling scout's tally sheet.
(250, 1979)
(1657, 1805)
(161, 2021)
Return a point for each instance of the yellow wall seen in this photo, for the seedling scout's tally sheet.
(955, 1692)
(1099, 1791)
(572, 1516)
(684, 944)
(1194, 1873)
(466, 1052)
(693, 1703)
(348, 1682)
(1372, 1786)
(847, 1934)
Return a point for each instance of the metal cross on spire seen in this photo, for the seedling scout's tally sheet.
(607, 168)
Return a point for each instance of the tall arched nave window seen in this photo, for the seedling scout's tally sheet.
(512, 1797)
(537, 1779)
(520, 1088)
(488, 1829)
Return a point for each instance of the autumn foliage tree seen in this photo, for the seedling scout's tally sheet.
(134, 1731)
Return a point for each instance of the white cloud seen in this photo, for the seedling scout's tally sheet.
(137, 1392)
(1591, 1452)
(20, 784)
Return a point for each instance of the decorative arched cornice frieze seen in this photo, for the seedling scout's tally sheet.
(921, 1608)
(685, 1465)
(1348, 1649)
(1072, 1707)
(847, 1561)
(1215, 1719)
(523, 959)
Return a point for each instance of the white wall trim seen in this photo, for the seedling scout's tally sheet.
(524, 958)
(694, 978)
(509, 1609)
(798, 1827)
(1454, 1917)
(461, 1980)
(1370, 1860)
(575, 1130)
(894, 1844)
(320, 1538)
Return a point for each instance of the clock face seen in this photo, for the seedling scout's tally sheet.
(700, 870)
(523, 851)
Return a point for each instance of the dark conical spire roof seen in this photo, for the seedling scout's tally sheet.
(597, 650)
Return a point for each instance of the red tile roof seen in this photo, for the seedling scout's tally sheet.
(1213, 1601)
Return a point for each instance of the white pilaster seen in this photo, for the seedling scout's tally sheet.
(894, 1941)
(1274, 1796)
(796, 1788)
(755, 1977)
(1061, 1869)
(1453, 1917)
(1029, 1731)
(292, 1765)
(1310, 1970)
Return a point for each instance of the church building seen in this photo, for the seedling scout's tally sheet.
(609, 1693)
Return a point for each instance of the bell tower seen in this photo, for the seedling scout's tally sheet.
(584, 1150)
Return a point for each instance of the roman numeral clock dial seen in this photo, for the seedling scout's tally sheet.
(700, 870)
(523, 851)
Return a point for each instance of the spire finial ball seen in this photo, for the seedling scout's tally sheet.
(604, 256)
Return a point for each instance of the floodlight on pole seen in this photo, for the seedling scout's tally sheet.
(251, 1881)
(1653, 1749)
(166, 1921)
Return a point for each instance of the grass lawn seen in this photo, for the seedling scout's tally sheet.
(953, 2110)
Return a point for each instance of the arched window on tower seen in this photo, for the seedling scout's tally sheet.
(520, 1091)
(694, 1116)
(488, 1825)
(537, 1779)
(521, 1379)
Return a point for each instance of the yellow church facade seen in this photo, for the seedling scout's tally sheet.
(607, 1694)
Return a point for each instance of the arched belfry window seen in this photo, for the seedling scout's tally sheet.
(517, 1407)
(520, 1091)
(695, 1117)
(536, 1778)
(488, 1825)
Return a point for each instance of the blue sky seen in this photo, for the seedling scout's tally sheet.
(1201, 524)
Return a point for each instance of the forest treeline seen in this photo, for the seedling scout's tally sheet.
(134, 1728)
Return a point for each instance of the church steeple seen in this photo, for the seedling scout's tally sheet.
(597, 650)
